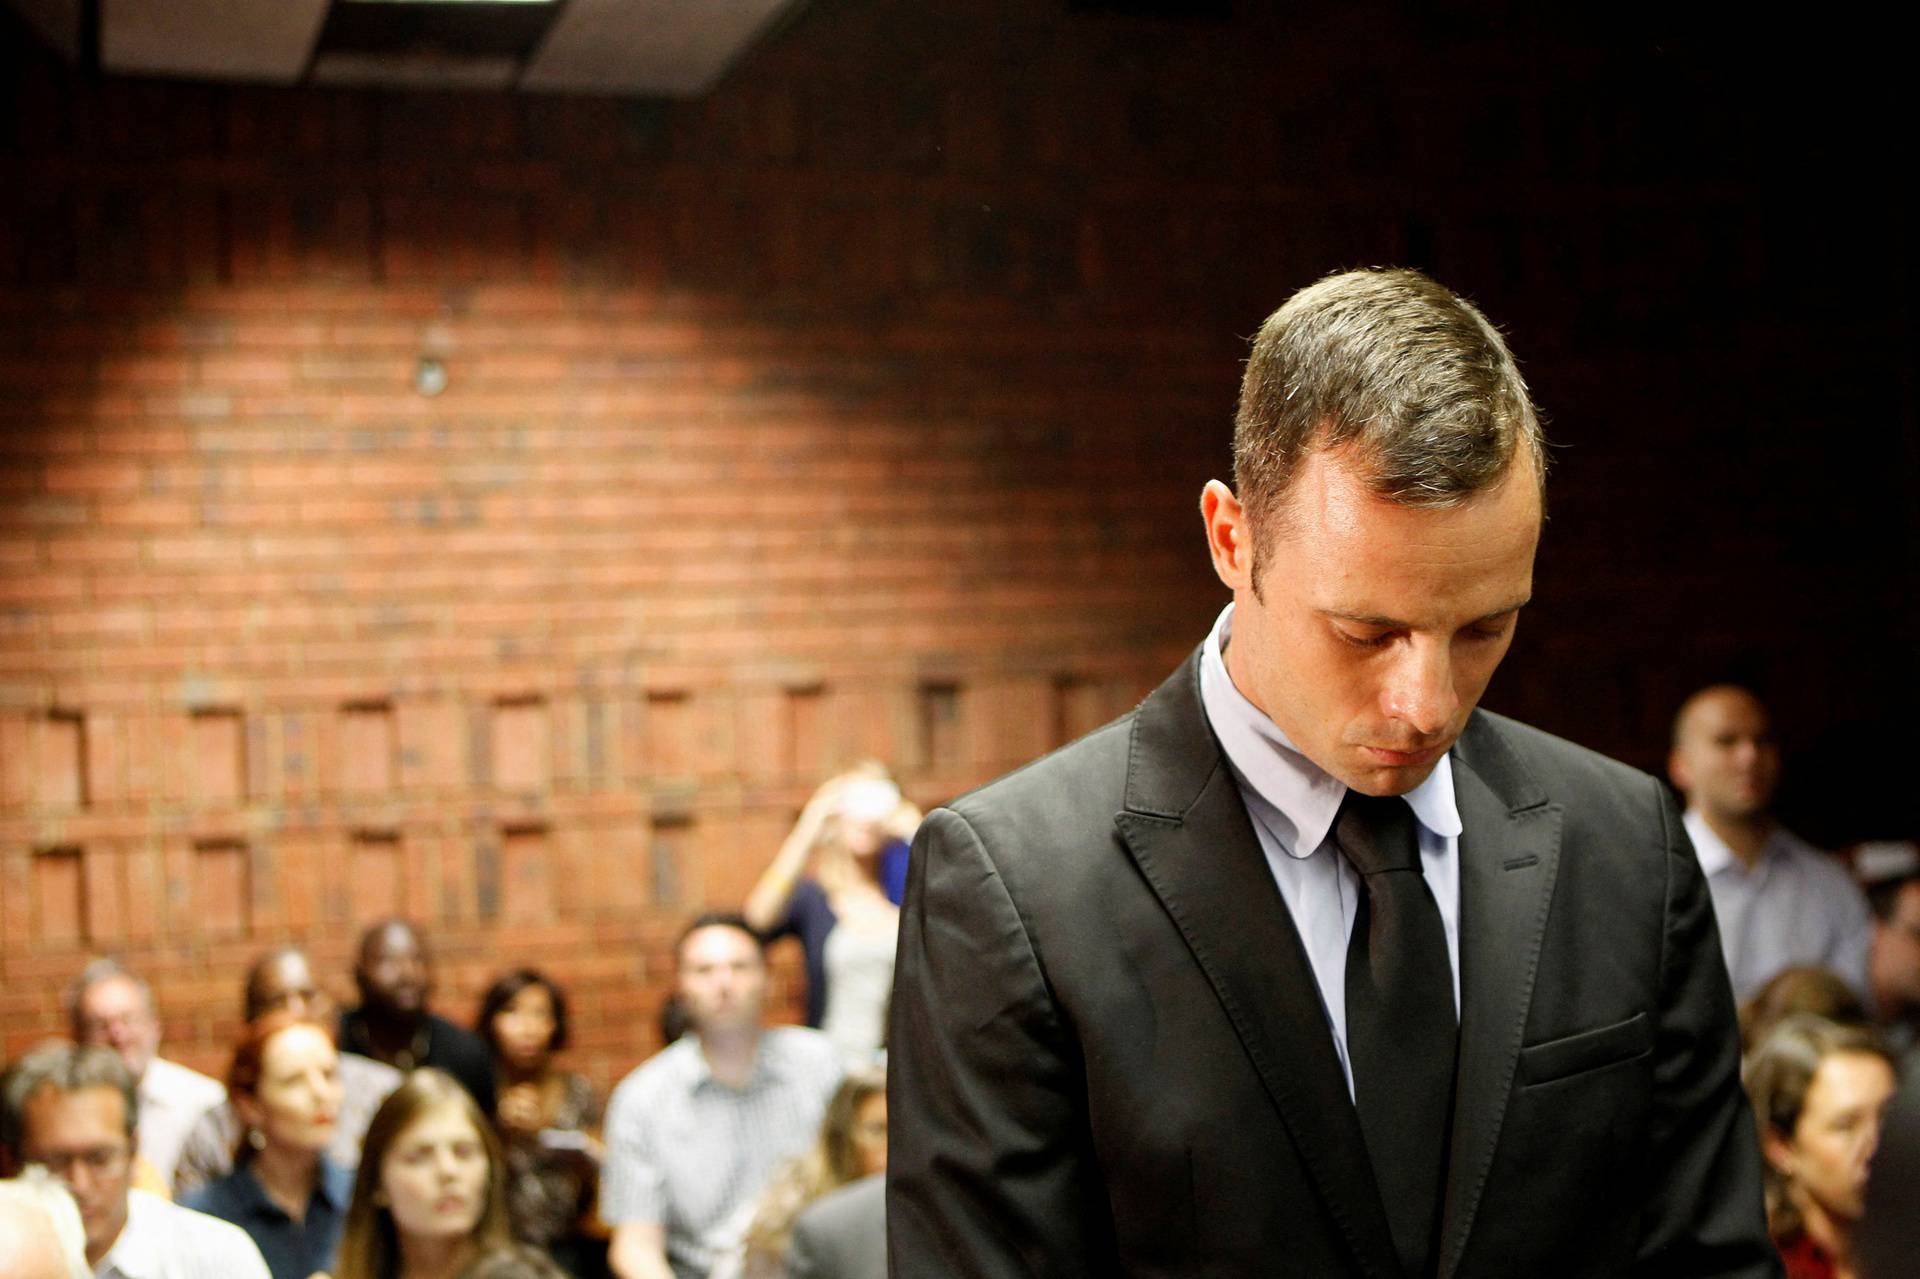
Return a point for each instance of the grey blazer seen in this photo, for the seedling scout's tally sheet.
(842, 1235)
(1108, 1054)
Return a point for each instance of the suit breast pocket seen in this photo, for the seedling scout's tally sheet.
(1585, 1051)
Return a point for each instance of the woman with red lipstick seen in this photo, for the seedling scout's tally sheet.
(430, 1198)
(1818, 1088)
(283, 1191)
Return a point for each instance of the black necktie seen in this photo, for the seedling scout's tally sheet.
(1402, 1036)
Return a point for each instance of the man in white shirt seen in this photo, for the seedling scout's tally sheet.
(1781, 902)
(73, 1109)
(112, 1007)
(695, 1133)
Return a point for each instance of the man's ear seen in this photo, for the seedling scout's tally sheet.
(1677, 771)
(1229, 537)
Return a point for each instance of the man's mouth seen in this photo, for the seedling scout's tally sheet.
(1402, 758)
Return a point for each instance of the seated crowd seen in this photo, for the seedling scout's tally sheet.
(387, 1142)
(400, 1161)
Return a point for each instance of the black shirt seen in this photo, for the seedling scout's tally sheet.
(444, 1046)
(291, 1251)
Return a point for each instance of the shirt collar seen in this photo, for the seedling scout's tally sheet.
(329, 1186)
(766, 1065)
(1302, 798)
(135, 1254)
(1716, 855)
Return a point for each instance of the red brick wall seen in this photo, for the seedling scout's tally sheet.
(859, 408)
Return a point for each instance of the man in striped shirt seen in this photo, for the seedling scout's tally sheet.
(696, 1132)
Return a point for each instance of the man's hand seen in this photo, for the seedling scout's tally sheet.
(519, 1108)
(639, 1251)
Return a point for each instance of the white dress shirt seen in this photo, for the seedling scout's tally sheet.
(1795, 906)
(162, 1240)
(172, 1099)
(1292, 802)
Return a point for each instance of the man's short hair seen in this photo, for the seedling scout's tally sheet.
(1407, 372)
(97, 971)
(68, 1068)
(719, 919)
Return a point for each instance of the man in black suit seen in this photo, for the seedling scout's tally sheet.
(1307, 966)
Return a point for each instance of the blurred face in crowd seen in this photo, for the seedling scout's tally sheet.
(29, 1247)
(286, 983)
(1724, 757)
(435, 1175)
(723, 980)
(523, 1029)
(1375, 626)
(114, 1013)
(1895, 954)
(870, 1133)
(82, 1139)
(393, 974)
(1826, 1155)
(298, 1097)
(862, 815)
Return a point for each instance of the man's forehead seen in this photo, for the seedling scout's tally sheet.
(1726, 710)
(392, 939)
(112, 994)
(284, 973)
(98, 1103)
(716, 943)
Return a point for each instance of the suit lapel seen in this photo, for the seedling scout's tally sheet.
(1188, 831)
(1509, 858)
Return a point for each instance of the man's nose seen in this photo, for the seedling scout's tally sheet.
(1420, 688)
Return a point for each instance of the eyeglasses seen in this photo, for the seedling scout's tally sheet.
(100, 1161)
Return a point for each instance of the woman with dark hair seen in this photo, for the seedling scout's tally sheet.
(430, 1197)
(852, 1145)
(549, 1122)
(284, 1086)
(1817, 1088)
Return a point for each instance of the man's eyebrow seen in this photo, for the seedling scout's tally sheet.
(1395, 624)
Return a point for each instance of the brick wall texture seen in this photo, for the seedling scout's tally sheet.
(857, 408)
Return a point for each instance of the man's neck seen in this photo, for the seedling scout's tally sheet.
(730, 1054)
(95, 1255)
(1746, 837)
(391, 1033)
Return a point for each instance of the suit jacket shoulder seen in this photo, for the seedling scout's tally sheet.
(843, 1234)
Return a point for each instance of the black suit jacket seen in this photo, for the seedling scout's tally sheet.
(1109, 1057)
